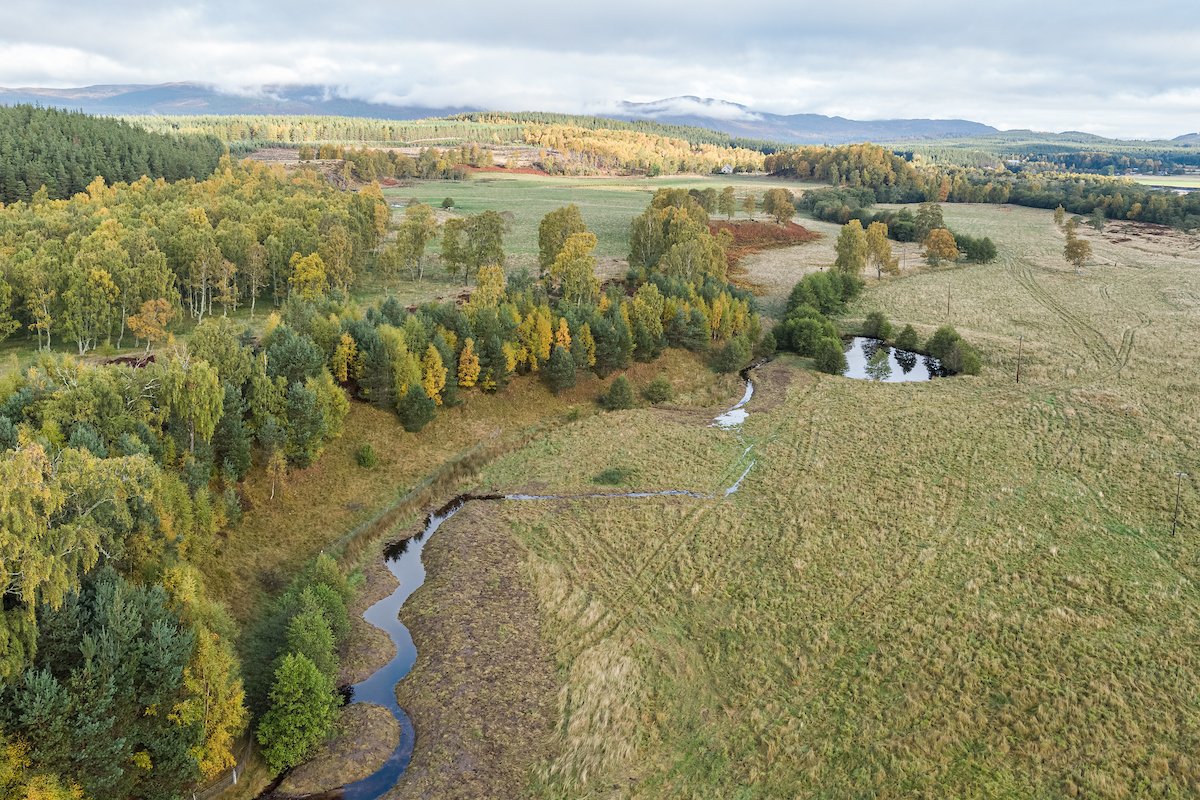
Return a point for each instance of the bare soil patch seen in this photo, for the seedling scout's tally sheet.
(752, 236)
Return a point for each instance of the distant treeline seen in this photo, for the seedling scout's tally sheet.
(367, 164)
(688, 133)
(65, 150)
(295, 130)
(892, 179)
(1029, 151)
(594, 146)
(1106, 162)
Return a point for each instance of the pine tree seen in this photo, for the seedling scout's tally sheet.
(619, 395)
(302, 709)
(231, 440)
(306, 427)
(560, 370)
(584, 346)
(415, 408)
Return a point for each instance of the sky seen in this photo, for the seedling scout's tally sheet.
(1111, 68)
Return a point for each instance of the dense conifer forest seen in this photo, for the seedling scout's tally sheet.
(64, 151)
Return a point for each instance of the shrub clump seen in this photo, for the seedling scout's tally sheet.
(619, 395)
(366, 457)
(613, 476)
(877, 326)
(658, 390)
(829, 356)
(807, 329)
(955, 355)
(733, 356)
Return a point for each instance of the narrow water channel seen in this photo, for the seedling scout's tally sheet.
(403, 560)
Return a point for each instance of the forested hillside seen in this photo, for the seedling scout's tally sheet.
(64, 151)
(120, 674)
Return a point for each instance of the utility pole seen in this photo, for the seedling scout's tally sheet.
(1179, 476)
(1020, 348)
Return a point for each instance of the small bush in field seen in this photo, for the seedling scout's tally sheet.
(365, 456)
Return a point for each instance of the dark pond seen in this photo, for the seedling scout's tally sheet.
(875, 360)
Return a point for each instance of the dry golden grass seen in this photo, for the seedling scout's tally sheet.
(966, 588)
(773, 273)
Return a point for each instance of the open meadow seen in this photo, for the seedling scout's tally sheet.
(1191, 181)
(606, 203)
(962, 588)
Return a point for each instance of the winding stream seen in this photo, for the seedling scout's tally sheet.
(404, 562)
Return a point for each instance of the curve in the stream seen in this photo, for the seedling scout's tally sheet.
(403, 560)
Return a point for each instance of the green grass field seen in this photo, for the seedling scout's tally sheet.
(966, 588)
(607, 204)
(1174, 181)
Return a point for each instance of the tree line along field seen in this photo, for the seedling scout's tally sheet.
(963, 588)
(606, 203)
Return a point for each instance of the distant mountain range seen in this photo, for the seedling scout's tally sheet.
(721, 115)
(199, 98)
(738, 120)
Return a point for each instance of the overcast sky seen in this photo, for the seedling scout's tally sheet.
(1113, 68)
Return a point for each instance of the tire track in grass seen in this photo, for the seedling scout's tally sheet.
(1070, 436)
(1094, 343)
(653, 569)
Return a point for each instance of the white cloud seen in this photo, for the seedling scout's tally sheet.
(1018, 63)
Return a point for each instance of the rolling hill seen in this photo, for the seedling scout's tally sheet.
(738, 120)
